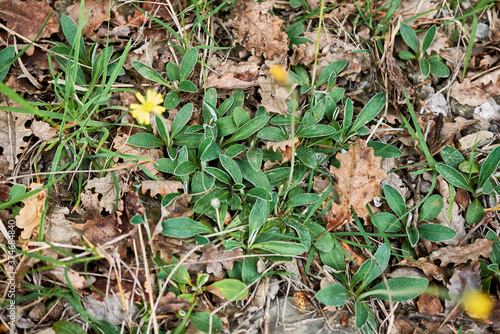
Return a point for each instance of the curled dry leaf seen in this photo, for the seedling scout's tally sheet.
(459, 254)
(255, 28)
(30, 215)
(161, 187)
(423, 263)
(358, 178)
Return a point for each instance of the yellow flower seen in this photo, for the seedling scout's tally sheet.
(279, 74)
(149, 104)
(477, 304)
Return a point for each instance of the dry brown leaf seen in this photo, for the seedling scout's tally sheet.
(343, 10)
(489, 83)
(121, 146)
(358, 178)
(285, 147)
(430, 304)
(161, 187)
(30, 215)
(468, 93)
(464, 278)
(170, 303)
(101, 230)
(469, 141)
(43, 130)
(256, 29)
(57, 228)
(27, 18)
(423, 263)
(97, 16)
(462, 254)
(106, 187)
(216, 260)
(274, 96)
(234, 76)
(452, 128)
(13, 135)
(76, 280)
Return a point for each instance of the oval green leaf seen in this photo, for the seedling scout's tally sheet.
(475, 212)
(231, 289)
(202, 322)
(333, 295)
(431, 208)
(395, 200)
(436, 232)
(401, 289)
(145, 140)
(183, 228)
(284, 248)
(453, 176)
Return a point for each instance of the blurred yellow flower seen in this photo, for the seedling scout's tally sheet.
(149, 104)
(477, 304)
(279, 74)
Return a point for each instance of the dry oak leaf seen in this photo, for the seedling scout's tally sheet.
(106, 187)
(161, 187)
(29, 216)
(358, 182)
(13, 132)
(27, 18)
(462, 254)
(256, 28)
(98, 15)
(285, 147)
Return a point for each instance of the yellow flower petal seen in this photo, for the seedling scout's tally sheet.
(140, 97)
(477, 304)
(159, 110)
(279, 74)
(150, 104)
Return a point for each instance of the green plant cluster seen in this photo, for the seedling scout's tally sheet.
(220, 163)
